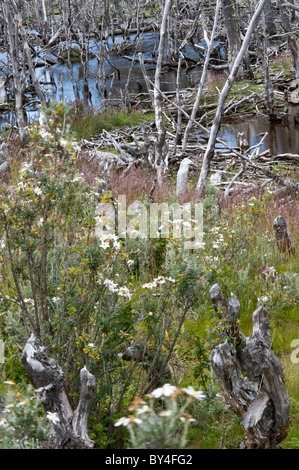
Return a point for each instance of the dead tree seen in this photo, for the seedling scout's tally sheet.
(12, 29)
(69, 426)
(282, 235)
(209, 153)
(250, 375)
(287, 27)
(157, 98)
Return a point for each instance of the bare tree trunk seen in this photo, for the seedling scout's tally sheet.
(233, 30)
(202, 78)
(286, 24)
(69, 426)
(250, 375)
(14, 47)
(160, 141)
(209, 153)
(270, 25)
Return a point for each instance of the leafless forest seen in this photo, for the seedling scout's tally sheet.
(102, 328)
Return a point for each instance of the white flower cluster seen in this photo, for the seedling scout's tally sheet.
(109, 239)
(113, 287)
(166, 391)
(220, 240)
(157, 282)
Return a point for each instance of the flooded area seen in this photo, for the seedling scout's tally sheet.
(57, 84)
(281, 137)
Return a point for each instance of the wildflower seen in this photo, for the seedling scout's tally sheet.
(126, 421)
(165, 413)
(91, 345)
(21, 403)
(53, 417)
(144, 409)
(130, 262)
(38, 191)
(124, 292)
(63, 142)
(44, 134)
(186, 417)
(55, 299)
(199, 395)
(263, 299)
(112, 286)
(166, 391)
(136, 403)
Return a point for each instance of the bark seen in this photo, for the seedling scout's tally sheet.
(160, 141)
(250, 375)
(182, 176)
(269, 20)
(70, 430)
(286, 24)
(14, 47)
(209, 153)
(232, 28)
(282, 235)
(202, 78)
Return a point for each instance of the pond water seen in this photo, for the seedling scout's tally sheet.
(61, 88)
(280, 138)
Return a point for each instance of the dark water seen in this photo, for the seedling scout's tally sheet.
(61, 88)
(280, 139)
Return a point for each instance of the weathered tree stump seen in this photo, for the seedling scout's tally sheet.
(4, 172)
(182, 176)
(282, 235)
(69, 426)
(250, 375)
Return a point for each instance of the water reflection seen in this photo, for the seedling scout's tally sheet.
(281, 138)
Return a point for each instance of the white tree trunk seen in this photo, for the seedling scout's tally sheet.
(157, 98)
(209, 153)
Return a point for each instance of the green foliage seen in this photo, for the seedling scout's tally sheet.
(135, 311)
(87, 123)
(22, 421)
(163, 421)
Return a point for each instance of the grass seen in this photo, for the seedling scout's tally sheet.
(87, 123)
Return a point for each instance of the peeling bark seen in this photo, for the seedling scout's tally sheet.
(250, 375)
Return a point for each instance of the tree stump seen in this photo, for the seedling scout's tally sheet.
(182, 177)
(69, 426)
(282, 235)
(250, 375)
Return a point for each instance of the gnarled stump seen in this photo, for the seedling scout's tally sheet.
(250, 375)
(69, 426)
(282, 235)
